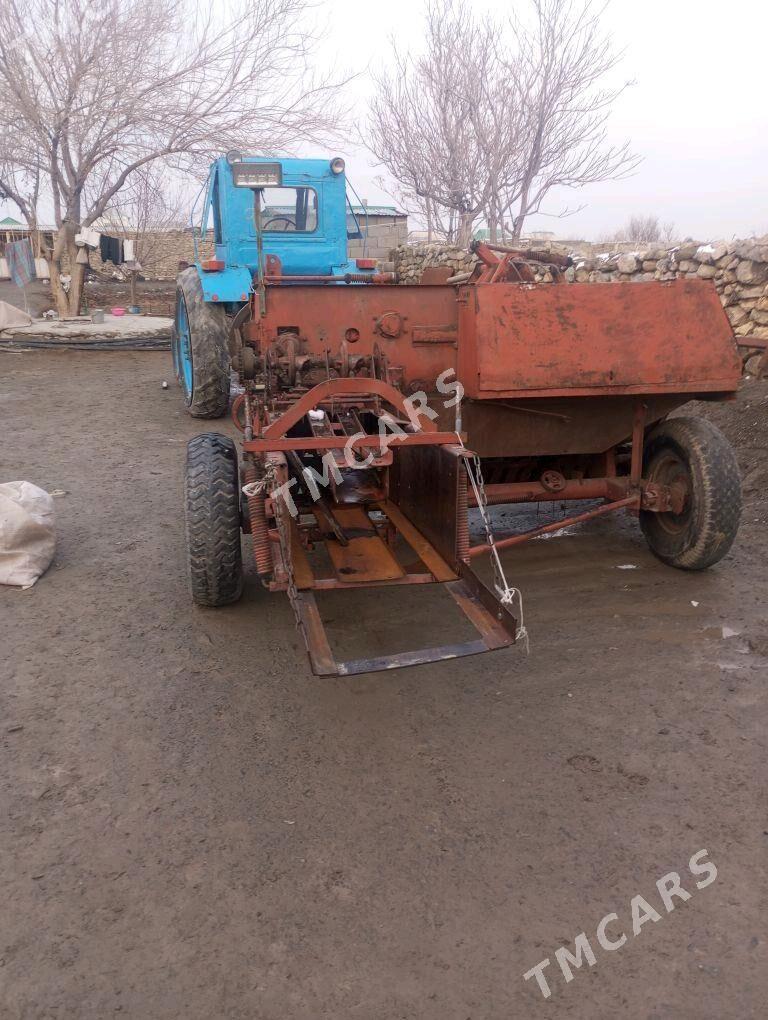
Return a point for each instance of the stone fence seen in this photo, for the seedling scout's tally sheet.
(411, 260)
(738, 269)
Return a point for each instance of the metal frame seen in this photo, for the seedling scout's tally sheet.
(496, 629)
(637, 493)
(426, 500)
(360, 550)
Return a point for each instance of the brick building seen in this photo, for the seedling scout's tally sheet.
(383, 227)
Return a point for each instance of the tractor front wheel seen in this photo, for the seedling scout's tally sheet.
(212, 504)
(693, 455)
(200, 353)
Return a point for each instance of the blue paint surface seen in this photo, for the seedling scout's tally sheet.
(182, 348)
(229, 212)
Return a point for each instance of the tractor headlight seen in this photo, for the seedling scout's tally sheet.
(257, 175)
(337, 165)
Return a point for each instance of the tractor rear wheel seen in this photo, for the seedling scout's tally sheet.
(200, 353)
(212, 505)
(693, 454)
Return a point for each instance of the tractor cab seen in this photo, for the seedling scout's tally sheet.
(295, 209)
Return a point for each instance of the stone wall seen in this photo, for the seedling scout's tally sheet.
(738, 269)
(411, 260)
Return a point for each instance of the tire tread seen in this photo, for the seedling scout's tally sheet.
(212, 503)
(717, 487)
(210, 356)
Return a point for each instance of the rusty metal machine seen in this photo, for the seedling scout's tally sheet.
(374, 417)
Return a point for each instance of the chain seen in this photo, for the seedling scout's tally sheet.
(291, 589)
(508, 595)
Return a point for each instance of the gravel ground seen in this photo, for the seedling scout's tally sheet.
(192, 826)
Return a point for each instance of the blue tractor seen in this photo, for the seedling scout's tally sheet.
(329, 377)
(289, 217)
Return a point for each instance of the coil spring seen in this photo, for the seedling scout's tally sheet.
(262, 551)
(462, 521)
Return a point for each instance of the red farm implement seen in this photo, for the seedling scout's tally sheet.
(359, 464)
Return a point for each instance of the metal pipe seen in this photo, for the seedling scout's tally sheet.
(525, 536)
(532, 255)
(259, 252)
(534, 492)
(345, 278)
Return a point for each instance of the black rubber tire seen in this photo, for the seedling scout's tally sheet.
(212, 511)
(704, 532)
(209, 331)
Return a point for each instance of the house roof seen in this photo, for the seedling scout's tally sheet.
(9, 221)
(377, 210)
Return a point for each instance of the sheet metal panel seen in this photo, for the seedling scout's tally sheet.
(596, 338)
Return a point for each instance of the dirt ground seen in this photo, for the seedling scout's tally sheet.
(193, 827)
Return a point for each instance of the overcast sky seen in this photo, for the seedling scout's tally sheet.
(698, 112)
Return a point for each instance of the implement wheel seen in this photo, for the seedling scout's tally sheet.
(200, 354)
(212, 504)
(694, 455)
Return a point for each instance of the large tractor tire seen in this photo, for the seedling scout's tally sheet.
(694, 454)
(200, 353)
(212, 504)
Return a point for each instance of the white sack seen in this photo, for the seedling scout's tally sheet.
(11, 316)
(27, 535)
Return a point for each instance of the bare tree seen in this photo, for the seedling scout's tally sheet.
(637, 229)
(93, 92)
(643, 229)
(145, 209)
(20, 185)
(424, 116)
(492, 116)
(440, 222)
(558, 66)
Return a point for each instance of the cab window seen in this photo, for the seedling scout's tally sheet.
(212, 211)
(289, 210)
